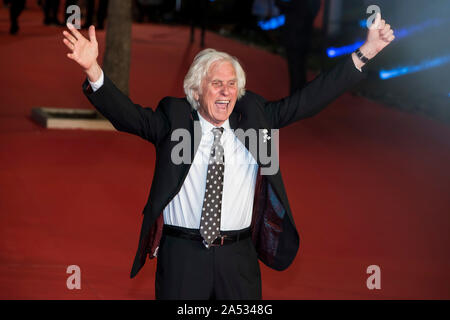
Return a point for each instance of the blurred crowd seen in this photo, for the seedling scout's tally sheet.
(53, 15)
(295, 34)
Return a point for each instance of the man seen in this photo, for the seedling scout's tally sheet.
(210, 221)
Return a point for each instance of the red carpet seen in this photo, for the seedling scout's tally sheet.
(368, 185)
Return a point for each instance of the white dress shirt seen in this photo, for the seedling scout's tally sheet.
(239, 182)
(238, 185)
(97, 84)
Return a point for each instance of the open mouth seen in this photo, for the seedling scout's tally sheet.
(222, 104)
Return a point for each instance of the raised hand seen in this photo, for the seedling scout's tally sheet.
(83, 51)
(380, 34)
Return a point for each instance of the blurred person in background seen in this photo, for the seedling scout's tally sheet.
(197, 12)
(51, 8)
(102, 11)
(296, 37)
(245, 20)
(151, 9)
(15, 9)
(51, 11)
(67, 5)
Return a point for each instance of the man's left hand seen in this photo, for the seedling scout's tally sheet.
(379, 36)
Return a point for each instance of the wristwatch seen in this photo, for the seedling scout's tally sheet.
(361, 57)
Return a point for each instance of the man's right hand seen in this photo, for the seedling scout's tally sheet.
(83, 51)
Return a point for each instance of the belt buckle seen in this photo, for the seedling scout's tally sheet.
(222, 237)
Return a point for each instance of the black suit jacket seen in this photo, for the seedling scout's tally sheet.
(273, 230)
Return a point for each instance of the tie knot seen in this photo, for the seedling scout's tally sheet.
(217, 132)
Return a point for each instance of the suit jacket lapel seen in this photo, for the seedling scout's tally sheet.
(195, 131)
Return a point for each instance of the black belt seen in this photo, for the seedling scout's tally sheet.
(226, 237)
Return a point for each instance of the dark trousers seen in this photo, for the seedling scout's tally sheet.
(15, 10)
(197, 11)
(297, 33)
(297, 65)
(187, 270)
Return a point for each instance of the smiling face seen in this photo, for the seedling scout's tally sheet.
(219, 93)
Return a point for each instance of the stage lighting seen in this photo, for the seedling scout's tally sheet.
(334, 52)
(424, 65)
(272, 23)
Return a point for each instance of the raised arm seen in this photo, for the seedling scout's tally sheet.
(317, 94)
(107, 98)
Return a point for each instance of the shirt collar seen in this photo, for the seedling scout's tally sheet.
(208, 126)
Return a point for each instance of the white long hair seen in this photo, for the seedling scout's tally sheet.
(199, 69)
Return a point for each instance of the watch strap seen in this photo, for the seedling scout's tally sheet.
(361, 56)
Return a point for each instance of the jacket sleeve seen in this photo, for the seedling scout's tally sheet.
(315, 96)
(126, 116)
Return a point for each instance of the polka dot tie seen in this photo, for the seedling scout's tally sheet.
(212, 203)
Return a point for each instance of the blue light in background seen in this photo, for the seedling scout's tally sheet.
(424, 65)
(272, 23)
(407, 31)
(333, 52)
